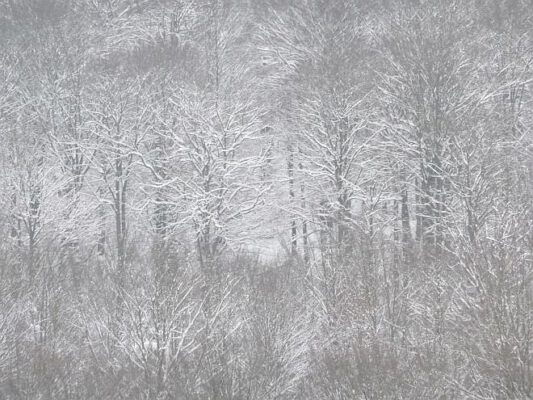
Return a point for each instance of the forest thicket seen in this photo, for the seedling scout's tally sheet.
(266, 199)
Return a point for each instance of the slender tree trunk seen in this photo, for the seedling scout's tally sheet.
(294, 229)
(305, 234)
(120, 220)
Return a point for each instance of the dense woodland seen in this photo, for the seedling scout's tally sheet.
(266, 199)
